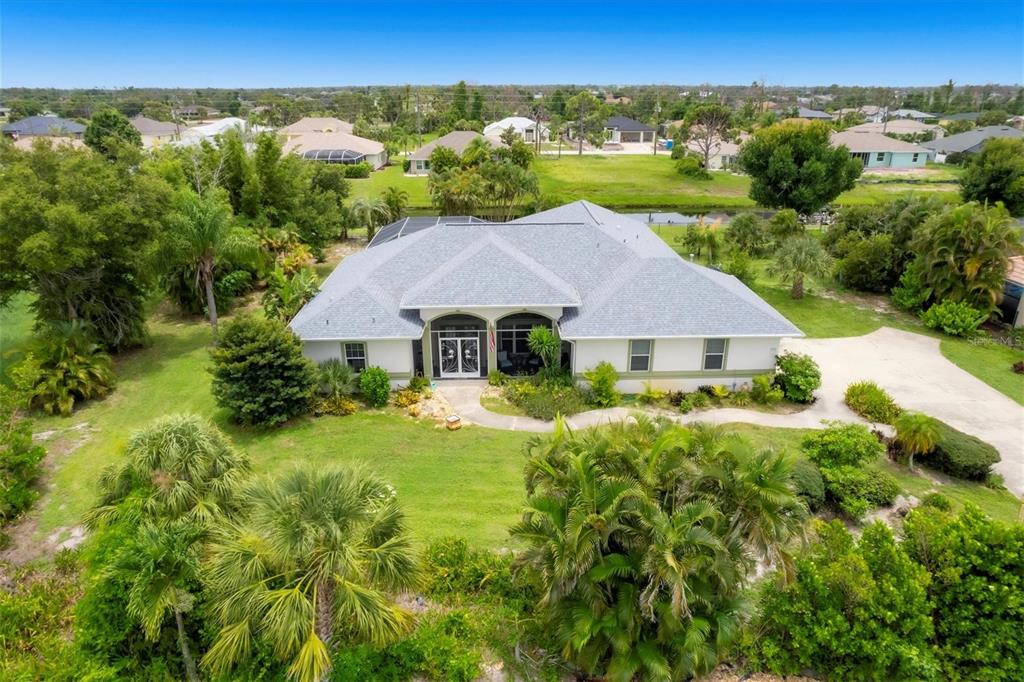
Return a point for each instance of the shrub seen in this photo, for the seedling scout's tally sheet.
(842, 444)
(741, 398)
(961, 455)
(764, 391)
(808, 483)
(449, 567)
(719, 392)
(69, 367)
(748, 234)
(20, 458)
(691, 167)
(741, 266)
(406, 165)
(855, 491)
(785, 224)
(650, 395)
(869, 265)
(375, 385)
(602, 384)
(854, 611)
(955, 318)
(334, 405)
(700, 400)
(551, 400)
(937, 501)
(870, 401)
(911, 294)
(1018, 367)
(336, 378)
(497, 378)
(357, 170)
(235, 283)
(406, 397)
(259, 373)
(686, 404)
(977, 567)
(420, 383)
(798, 376)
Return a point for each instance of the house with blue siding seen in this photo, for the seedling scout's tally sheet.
(881, 151)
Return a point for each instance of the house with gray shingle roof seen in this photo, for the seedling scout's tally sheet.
(969, 142)
(458, 298)
(44, 126)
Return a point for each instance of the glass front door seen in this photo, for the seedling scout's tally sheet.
(460, 356)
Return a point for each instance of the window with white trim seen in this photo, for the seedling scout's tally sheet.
(915, 157)
(640, 355)
(714, 354)
(355, 356)
(880, 156)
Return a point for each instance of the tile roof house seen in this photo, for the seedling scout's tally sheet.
(900, 126)
(458, 297)
(337, 147)
(317, 124)
(969, 142)
(51, 126)
(457, 141)
(155, 133)
(525, 128)
(881, 151)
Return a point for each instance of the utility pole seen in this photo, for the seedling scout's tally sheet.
(579, 129)
(657, 117)
(418, 133)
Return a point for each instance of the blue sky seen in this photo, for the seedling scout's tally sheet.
(278, 44)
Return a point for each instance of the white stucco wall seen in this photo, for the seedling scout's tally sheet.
(392, 355)
(677, 364)
(490, 314)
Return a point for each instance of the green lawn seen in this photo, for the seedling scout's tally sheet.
(639, 181)
(467, 482)
(15, 331)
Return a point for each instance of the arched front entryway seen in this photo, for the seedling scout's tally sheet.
(458, 347)
(513, 355)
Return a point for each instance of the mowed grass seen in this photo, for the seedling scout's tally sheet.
(999, 504)
(466, 483)
(16, 322)
(637, 181)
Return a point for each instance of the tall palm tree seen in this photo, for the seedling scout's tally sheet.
(800, 257)
(180, 467)
(641, 536)
(202, 233)
(317, 553)
(371, 213)
(477, 152)
(916, 433)
(161, 567)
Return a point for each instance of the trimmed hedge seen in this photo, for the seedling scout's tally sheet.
(808, 484)
(961, 455)
(871, 401)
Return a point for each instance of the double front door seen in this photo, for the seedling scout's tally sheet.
(460, 356)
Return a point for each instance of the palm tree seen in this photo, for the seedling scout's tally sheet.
(396, 199)
(180, 467)
(800, 257)
(371, 213)
(317, 553)
(916, 433)
(477, 152)
(202, 234)
(161, 567)
(641, 536)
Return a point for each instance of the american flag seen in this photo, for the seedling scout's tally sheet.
(490, 338)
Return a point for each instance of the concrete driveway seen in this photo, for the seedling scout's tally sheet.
(912, 369)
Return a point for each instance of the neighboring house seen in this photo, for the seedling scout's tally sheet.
(870, 112)
(155, 133)
(804, 112)
(723, 153)
(454, 301)
(912, 114)
(209, 131)
(1016, 121)
(5, 113)
(25, 143)
(525, 128)
(403, 227)
(619, 129)
(965, 116)
(612, 99)
(338, 148)
(900, 126)
(1011, 307)
(969, 142)
(194, 112)
(457, 141)
(49, 126)
(316, 124)
(881, 151)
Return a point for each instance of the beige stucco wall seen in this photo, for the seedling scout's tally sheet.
(392, 355)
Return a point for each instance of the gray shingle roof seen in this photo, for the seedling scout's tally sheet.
(804, 112)
(623, 123)
(968, 141)
(44, 125)
(613, 277)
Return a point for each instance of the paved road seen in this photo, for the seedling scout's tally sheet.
(909, 366)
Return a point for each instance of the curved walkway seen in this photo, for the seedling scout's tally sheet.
(909, 366)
